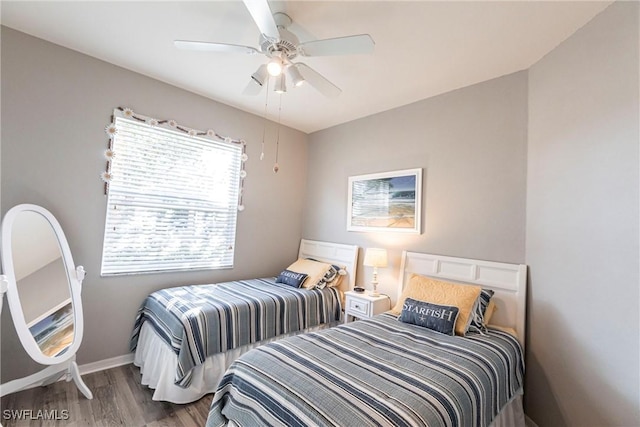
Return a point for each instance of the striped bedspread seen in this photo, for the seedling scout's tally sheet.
(372, 372)
(201, 320)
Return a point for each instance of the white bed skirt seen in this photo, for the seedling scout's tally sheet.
(512, 415)
(158, 365)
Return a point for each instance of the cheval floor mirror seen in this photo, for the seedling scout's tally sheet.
(43, 291)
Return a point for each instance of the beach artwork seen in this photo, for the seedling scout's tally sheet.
(387, 201)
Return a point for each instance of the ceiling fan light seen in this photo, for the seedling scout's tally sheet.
(274, 67)
(294, 75)
(280, 84)
(260, 76)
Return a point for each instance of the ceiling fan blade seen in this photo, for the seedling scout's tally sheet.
(214, 47)
(261, 14)
(362, 43)
(318, 81)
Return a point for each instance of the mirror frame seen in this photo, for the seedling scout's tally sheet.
(74, 276)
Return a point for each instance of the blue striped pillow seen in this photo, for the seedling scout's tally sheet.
(477, 320)
(439, 318)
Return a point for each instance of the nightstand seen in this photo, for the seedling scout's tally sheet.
(362, 306)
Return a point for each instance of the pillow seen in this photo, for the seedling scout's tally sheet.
(335, 283)
(291, 278)
(439, 318)
(314, 269)
(342, 272)
(478, 321)
(491, 309)
(332, 277)
(465, 297)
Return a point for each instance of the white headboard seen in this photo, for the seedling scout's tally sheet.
(333, 253)
(508, 281)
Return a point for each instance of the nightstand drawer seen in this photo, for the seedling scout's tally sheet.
(356, 306)
(362, 306)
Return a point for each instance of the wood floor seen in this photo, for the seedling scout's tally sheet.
(118, 400)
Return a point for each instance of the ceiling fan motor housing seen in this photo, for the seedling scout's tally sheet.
(286, 45)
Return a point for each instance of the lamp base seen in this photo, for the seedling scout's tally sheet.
(374, 285)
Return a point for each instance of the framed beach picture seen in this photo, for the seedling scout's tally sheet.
(388, 201)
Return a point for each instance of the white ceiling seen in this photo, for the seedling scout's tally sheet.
(423, 48)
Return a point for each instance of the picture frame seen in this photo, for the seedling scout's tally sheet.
(386, 202)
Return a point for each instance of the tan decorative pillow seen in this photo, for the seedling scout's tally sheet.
(464, 297)
(314, 269)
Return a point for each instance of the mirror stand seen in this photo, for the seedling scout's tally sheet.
(47, 376)
(52, 373)
(43, 288)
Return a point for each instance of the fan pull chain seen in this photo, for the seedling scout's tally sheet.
(276, 166)
(264, 127)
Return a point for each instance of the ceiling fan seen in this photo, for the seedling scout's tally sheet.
(281, 46)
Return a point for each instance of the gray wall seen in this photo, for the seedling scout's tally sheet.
(582, 227)
(55, 105)
(471, 144)
(559, 142)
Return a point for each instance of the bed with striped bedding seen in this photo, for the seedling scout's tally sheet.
(202, 320)
(372, 372)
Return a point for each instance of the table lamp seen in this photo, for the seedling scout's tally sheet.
(375, 257)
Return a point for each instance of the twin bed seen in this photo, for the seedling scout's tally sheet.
(381, 371)
(186, 337)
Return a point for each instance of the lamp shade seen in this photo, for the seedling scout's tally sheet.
(375, 257)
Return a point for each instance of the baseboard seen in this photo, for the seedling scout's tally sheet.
(89, 368)
(529, 422)
(102, 365)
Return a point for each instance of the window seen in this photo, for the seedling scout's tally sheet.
(173, 198)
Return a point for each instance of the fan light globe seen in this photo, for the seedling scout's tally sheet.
(280, 84)
(294, 75)
(260, 76)
(274, 67)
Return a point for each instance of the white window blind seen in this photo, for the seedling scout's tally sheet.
(172, 201)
